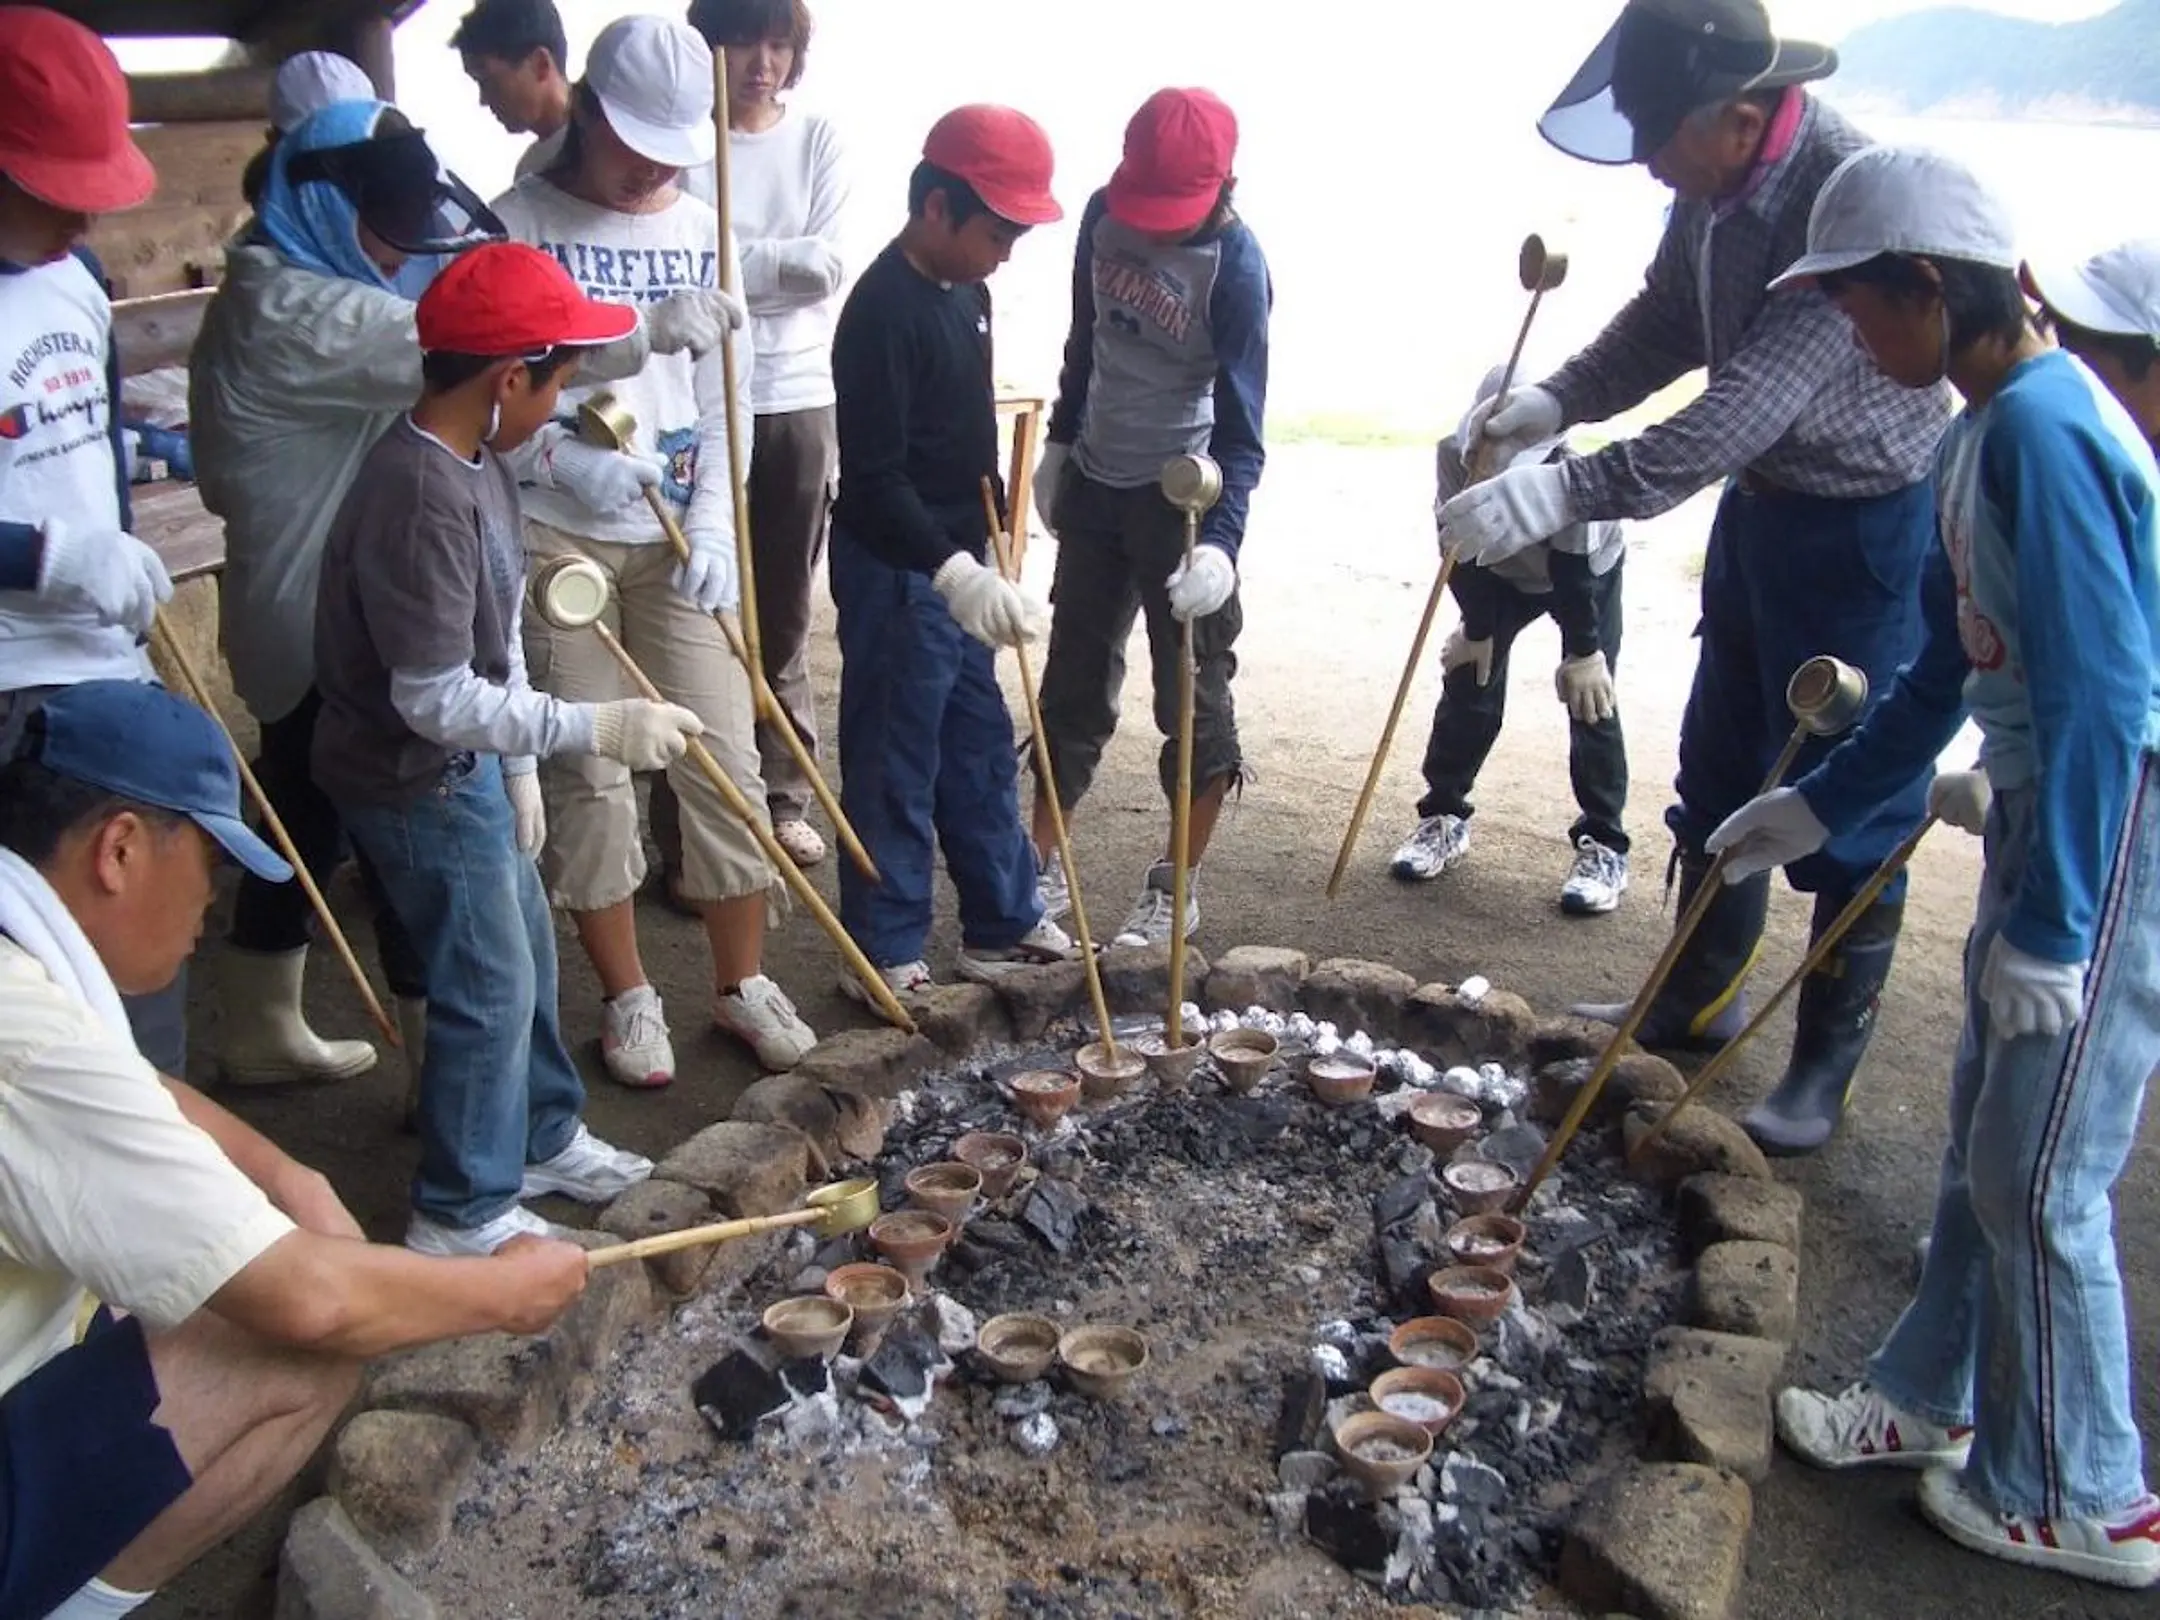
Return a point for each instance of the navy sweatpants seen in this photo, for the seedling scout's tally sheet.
(926, 763)
(1789, 577)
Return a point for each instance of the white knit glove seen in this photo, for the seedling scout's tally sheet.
(1509, 426)
(528, 811)
(108, 571)
(1459, 650)
(987, 606)
(696, 318)
(2027, 995)
(1048, 472)
(641, 734)
(602, 481)
(1961, 799)
(1585, 685)
(1203, 586)
(1774, 830)
(710, 577)
(1492, 521)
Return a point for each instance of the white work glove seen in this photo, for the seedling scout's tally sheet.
(709, 578)
(528, 811)
(1510, 425)
(696, 318)
(987, 606)
(1774, 830)
(2029, 996)
(602, 481)
(1961, 799)
(1492, 521)
(1585, 685)
(108, 571)
(1457, 651)
(1048, 472)
(643, 735)
(1203, 586)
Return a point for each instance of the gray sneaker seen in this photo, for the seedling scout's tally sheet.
(1439, 843)
(1595, 882)
(1149, 921)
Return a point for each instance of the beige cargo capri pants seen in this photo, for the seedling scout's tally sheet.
(593, 857)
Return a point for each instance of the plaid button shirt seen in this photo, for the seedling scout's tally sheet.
(1790, 394)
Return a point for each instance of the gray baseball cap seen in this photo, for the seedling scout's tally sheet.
(1902, 199)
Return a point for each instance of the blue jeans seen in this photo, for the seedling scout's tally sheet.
(2017, 1326)
(927, 762)
(1788, 577)
(498, 1090)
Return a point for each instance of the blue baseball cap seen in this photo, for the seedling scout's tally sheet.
(142, 743)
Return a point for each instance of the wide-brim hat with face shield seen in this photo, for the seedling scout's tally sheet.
(1906, 200)
(390, 176)
(1665, 59)
(653, 79)
(2116, 293)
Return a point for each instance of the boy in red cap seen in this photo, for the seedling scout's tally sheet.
(427, 715)
(926, 743)
(1167, 356)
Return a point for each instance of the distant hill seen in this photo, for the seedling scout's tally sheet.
(1961, 60)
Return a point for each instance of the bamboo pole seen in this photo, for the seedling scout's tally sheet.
(692, 1237)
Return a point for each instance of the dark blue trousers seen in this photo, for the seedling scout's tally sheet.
(927, 763)
(1788, 577)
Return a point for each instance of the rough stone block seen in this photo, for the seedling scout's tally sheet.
(1136, 978)
(616, 1299)
(1357, 995)
(1037, 997)
(1664, 1541)
(1748, 1288)
(744, 1169)
(1706, 1399)
(841, 1124)
(653, 1207)
(879, 1063)
(1701, 1141)
(1636, 1077)
(327, 1571)
(1555, 1040)
(1257, 976)
(398, 1476)
(1738, 1209)
(1449, 1029)
(508, 1390)
(957, 1018)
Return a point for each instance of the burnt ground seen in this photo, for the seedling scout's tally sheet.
(1337, 566)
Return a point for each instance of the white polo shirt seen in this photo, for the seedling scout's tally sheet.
(106, 1191)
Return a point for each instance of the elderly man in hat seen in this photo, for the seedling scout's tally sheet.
(1826, 513)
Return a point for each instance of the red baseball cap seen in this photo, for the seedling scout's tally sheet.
(1179, 151)
(64, 116)
(1003, 154)
(507, 299)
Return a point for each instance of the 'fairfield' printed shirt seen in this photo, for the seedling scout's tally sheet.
(680, 403)
(1167, 356)
(2042, 608)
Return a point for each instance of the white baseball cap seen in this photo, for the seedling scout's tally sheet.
(2116, 292)
(654, 81)
(1902, 199)
(313, 80)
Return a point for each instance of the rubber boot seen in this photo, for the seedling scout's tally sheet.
(412, 1030)
(1700, 1006)
(263, 1035)
(1837, 1014)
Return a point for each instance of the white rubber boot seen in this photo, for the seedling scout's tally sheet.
(412, 1030)
(263, 1036)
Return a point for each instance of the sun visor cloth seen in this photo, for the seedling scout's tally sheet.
(402, 194)
(1642, 79)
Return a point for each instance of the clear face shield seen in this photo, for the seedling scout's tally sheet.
(402, 194)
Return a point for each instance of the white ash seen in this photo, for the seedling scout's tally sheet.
(1036, 1436)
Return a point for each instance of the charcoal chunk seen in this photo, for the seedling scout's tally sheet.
(738, 1392)
(1053, 1213)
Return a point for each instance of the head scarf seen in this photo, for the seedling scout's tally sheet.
(314, 225)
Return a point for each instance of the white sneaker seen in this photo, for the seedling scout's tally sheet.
(587, 1169)
(759, 1014)
(903, 979)
(800, 840)
(1596, 881)
(2124, 1551)
(1148, 923)
(1052, 892)
(634, 1045)
(425, 1235)
(1437, 844)
(1859, 1429)
(1046, 942)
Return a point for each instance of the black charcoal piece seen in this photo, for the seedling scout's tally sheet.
(736, 1393)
